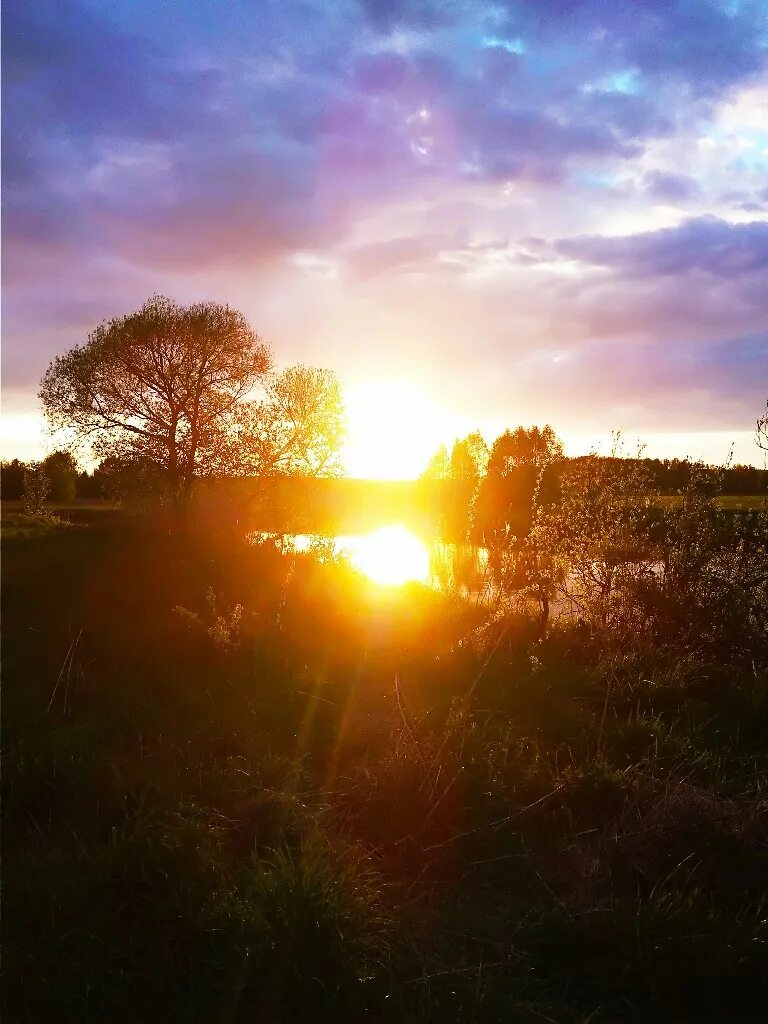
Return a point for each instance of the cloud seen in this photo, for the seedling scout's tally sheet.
(397, 254)
(705, 244)
(480, 167)
(669, 186)
(513, 144)
(670, 384)
(707, 44)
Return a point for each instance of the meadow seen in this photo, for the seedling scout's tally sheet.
(244, 783)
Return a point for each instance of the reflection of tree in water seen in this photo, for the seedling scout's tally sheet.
(459, 567)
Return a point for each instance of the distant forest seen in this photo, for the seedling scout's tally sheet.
(69, 483)
(299, 504)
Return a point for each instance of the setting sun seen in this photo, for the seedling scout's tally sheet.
(393, 429)
(390, 555)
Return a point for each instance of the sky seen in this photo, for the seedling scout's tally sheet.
(478, 214)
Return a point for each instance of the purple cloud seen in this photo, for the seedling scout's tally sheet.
(669, 186)
(199, 151)
(700, 244)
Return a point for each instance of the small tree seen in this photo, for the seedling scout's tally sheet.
(138, 484)
(599, 535)
(61, 470)
(296, 429)
(518, 491)
(469, 457)
(469, 460)
(37, 487)
(761, 430)
(12, 480)
(439, 466)
(523, 471)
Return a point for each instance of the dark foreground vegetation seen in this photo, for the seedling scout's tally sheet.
(242, 785)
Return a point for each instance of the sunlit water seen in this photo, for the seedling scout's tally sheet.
(390, 555)
(394, 555)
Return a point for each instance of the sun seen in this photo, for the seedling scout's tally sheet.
(393, 428)
(391, 555)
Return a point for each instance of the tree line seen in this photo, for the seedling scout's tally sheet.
(496, 489)
(120, 479)
(171, 393)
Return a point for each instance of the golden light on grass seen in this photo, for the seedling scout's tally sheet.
(394, 428)
(391, 555)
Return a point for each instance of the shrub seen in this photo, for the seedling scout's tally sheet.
(37, 488)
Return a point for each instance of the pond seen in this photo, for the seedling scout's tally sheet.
(393, 555)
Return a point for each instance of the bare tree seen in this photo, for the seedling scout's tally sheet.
(761, 430)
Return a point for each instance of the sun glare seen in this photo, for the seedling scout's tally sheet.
(393, 429)
(390, 555)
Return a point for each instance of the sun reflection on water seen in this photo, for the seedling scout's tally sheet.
(391, 555)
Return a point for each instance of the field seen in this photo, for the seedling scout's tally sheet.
(735, 502)
(314, 505)
(742, 502)
(242, 785)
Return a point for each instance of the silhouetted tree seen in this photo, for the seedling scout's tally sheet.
(156, 384)
(138, 483)
(524, 447)
(469, 457)
(523, 470)
(61, 470)
(761, 430)
(89, 485)
(469, 460)
(12, 480)
(37, 487)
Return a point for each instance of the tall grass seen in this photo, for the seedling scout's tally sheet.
(276, 792)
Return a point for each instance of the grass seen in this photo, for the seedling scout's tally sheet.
(243, 785)
(743, 502)
(725, 502)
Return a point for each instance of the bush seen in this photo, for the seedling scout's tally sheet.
(61, 470)
(37, 488)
